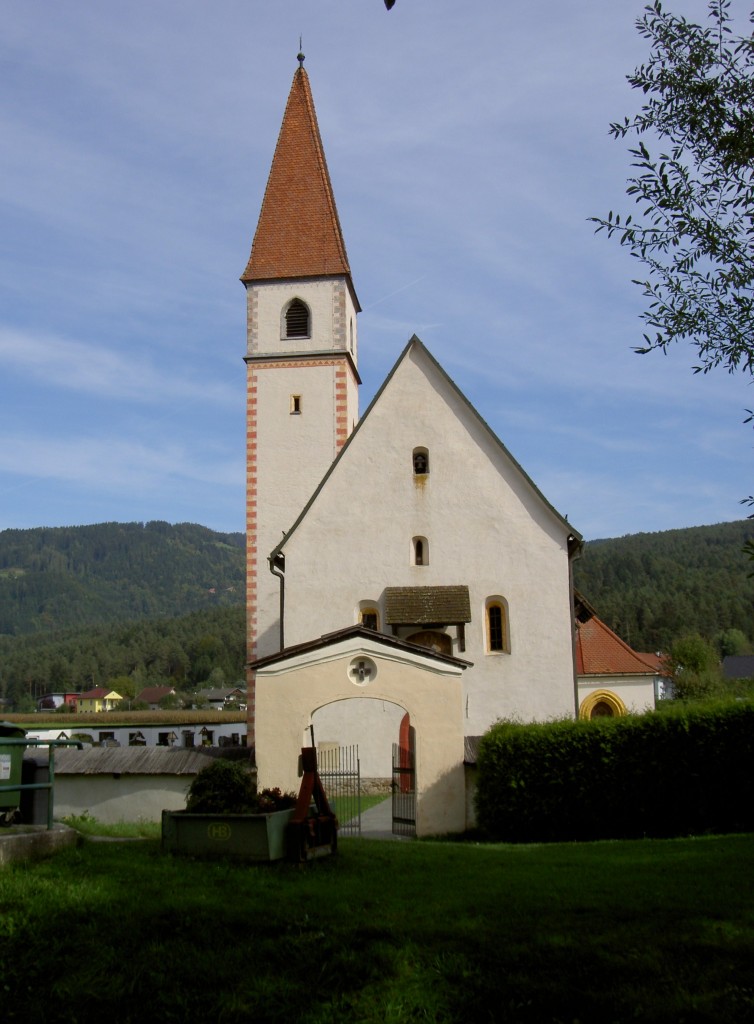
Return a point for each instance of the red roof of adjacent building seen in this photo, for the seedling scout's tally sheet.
(98, 693)
(298, 234)
(599, 652)
(655, 661)
(154, 694)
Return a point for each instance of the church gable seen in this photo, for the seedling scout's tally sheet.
(424, 505)
(423, 445)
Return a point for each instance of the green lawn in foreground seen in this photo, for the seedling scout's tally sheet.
(385, 932)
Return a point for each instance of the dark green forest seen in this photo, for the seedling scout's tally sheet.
(143, 604)
(652, 588)
(191, 652)
(87, 606)
(57, 578)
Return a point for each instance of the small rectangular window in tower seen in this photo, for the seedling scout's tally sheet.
(295, 405)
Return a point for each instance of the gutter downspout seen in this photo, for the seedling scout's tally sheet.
(575, 549)
(277, 568)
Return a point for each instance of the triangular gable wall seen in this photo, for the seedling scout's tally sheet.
(416, 352)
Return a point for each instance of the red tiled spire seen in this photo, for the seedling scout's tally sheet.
(298, 234)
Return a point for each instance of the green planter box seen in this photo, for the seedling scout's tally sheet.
(250, 837)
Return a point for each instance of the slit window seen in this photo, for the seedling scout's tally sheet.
(420, 547)
(295, 405)
(497, 627)
(297, 320)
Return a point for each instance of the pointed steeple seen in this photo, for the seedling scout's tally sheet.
(298, 234)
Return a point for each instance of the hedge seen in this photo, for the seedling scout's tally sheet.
(686, 772)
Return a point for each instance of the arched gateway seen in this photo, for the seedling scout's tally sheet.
(356, 663)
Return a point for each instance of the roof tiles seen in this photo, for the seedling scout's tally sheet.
(298, 234)
(599, 651)
(427, 605)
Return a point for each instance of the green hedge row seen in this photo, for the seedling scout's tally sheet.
(687, 772)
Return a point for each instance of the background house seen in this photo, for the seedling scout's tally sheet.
(98, 699)
(53, 701)
(738, 666)
(613, 679)
(152, 695)
(121, 784)
(230, 697)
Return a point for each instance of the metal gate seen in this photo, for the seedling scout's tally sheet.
(340, 774)
(404, 791)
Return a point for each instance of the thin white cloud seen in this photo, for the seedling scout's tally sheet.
(97, 370)
(114, 465)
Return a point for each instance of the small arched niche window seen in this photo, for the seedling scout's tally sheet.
(421, 461)
(297, 320)
(498, 636)
(420, 551)
(369, 615)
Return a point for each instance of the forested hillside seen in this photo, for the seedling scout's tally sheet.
(141, 604)
(652, 588)
(192, 652)
(52, 579)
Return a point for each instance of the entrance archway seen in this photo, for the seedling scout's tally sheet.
(345, 667)
(356, 741)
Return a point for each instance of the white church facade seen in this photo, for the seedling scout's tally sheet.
(406, 579)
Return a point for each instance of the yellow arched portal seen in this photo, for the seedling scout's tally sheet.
(602, 704)
(352, 665)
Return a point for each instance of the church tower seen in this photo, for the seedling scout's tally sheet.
(301, 357)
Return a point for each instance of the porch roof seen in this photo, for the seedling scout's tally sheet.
(358, 632)
(425, 606)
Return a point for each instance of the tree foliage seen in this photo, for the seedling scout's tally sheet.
(692, 663)
(654, 588)
(126, 656)
(53, 579)
(694, 231)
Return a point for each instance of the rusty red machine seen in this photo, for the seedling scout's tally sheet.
(313, 830)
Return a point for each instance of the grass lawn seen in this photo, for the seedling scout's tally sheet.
(385, 932)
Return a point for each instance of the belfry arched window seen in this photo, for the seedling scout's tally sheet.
(297, 320)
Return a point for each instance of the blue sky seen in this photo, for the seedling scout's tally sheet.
(467, 144)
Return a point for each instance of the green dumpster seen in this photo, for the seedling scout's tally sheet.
(12, 750)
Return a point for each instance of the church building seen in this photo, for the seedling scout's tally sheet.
(407, 582)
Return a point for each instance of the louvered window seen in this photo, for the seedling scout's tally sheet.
(297, 320)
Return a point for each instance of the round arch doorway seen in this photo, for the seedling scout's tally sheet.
(366, 755)
(358, 663)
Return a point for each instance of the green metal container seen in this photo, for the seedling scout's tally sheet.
(250, 837)
(12, 750)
